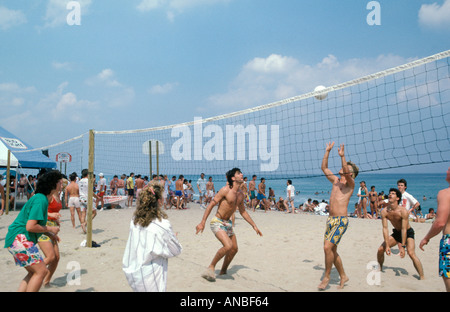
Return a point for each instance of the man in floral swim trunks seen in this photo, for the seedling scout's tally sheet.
(442, 222)
(229, 198)
(337, 221)
(29, 225)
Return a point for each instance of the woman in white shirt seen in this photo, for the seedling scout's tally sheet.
(151, 243)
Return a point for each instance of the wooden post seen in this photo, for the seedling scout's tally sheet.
(8, 181)
(150, 157)
(90, 188)
(157, 158)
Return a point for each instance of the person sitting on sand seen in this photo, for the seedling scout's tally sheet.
(429, 217)
(308, 206)
(280, 204)
(229, 198)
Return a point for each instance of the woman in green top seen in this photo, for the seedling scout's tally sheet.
(23, 234)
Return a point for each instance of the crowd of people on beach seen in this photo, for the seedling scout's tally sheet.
(370, 203)
(37, 224)
(178, 192)
(25, 189)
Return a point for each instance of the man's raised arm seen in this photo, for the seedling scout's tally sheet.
(330, 176)
(348, 175)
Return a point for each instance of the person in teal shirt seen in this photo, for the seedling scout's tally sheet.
(23, 234)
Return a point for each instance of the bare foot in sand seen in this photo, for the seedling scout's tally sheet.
(209, 275)
(324, 283)
(343, 281)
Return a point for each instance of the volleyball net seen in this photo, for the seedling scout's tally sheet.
(395, 118)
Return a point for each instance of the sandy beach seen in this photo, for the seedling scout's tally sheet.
(287, 258)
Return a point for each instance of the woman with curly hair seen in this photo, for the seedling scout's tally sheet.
(151, 242)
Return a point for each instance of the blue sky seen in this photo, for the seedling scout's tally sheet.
(144, 63)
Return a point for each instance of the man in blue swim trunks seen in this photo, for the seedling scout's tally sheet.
(337, 221)
(261, 196)
(229, 198)
(179, 192)
(442, 223)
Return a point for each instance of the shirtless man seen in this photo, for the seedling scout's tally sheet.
(139, 187)
(280, 205)
(210, 191)
(252, 189)
(261, 196)
(73, 198)
(442, 223)
(113, 185)
(402, 232)
(22, 186)
(244, 189)
(121, 185)
(179, 191)
(373, 200)
(229, 198)
(337, 221)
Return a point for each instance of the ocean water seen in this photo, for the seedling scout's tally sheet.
(318, 188)
(420, 185)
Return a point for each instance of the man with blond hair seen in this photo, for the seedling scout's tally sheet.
(337, 221)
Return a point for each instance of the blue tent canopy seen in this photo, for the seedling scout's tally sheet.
(27, 159)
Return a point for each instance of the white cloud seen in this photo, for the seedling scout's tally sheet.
(174, 7)
(15, 88)
(162, 89)
(15, 123)
(45, 113)
(13, 96)
(61, 65)
(273, 64)
(277, 77)
(105, 78)
(65, 105)
(110, 90)
(435, 16)
(180, 5)
(10, 18)
(148, 5)
(56, 12)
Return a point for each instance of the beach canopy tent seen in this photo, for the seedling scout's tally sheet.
(4, 157)
(19, 156)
